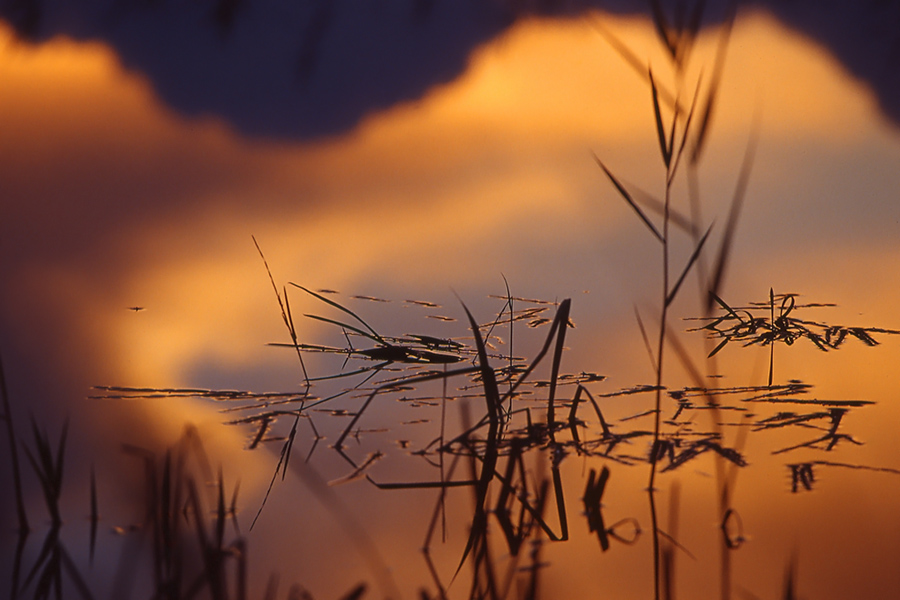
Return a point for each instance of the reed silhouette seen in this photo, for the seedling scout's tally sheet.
(525, 417)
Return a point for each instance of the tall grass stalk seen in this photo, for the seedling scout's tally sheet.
(13, 454)
(672, 138)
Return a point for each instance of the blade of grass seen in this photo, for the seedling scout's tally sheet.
(627, 197)
(285, 309)
(734, 212)
(644, 336)
(221, 516)
(374, 334)
(48, 469)
(562, 317)
(292, 330)
(22, 539)
(75, 577)
(718, 66)
(488, 377)
(509, 301)
(663, 29)
(631, 59)
(14, 454)
(687, 267)
(476, 541)
(657, 206)
(684, 137)
(664, 146)
(271, 592)
(376, 338)
(771, 346)
(687, 32)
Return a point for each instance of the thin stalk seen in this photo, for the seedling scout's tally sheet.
(17, 477)
(443, 496)
(667, 298)
(660, 354)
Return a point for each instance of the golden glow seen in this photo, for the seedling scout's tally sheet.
(485, 176)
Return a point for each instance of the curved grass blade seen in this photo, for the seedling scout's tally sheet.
(664, 146)
(718, 65)
(627, 197)
(375, 338)
(632, 60)
(687, 267)
(285, 309)
(657, 206)
(562, 318)
(665, 32)
(374, 334)
(489, 460)
(14, 455)
(646, 339)
(734, 213)
(684, 136)
(718, 347)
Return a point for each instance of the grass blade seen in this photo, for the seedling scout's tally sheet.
(663, 29)
(374, 334)
(664, 146)
(684, 137)
(771, 346)
(657, 206)
(14, 455)
(488, 377)
(285, 309)
(687, 267)
(646, 339)
(631, 59)
(376, 338)
(709, 106)
(562, 318)
(627, 197)
(734, 214)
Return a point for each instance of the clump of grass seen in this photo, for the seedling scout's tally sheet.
(680, 136)
(757, 323)
(191, 554)
(498, 442)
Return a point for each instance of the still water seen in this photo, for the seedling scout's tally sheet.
(115, 201)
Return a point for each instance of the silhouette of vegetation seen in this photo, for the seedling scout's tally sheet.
(525, 417)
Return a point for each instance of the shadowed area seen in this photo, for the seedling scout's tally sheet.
(311, 69)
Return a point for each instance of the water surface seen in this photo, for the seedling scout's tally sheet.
(113, 200)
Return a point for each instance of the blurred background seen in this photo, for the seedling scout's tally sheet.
(426, 150)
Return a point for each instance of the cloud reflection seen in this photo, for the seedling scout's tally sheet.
(112, 200)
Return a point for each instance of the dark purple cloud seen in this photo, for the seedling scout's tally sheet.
(298, 70)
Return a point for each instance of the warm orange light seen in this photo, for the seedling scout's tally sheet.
(487, 176)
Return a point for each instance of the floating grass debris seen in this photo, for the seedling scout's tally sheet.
(523, 417)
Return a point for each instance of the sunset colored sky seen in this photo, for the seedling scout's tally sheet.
(113, 199)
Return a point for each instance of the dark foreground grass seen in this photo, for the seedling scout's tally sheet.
(517, 419)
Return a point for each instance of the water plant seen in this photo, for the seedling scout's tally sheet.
(525, 415)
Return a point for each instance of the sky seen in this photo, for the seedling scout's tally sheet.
(130, 182)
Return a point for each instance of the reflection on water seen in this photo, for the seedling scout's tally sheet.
(484, 467)
(524, 421)
(520, 420)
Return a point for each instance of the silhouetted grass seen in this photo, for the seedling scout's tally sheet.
(13, 454)
(515, 419)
